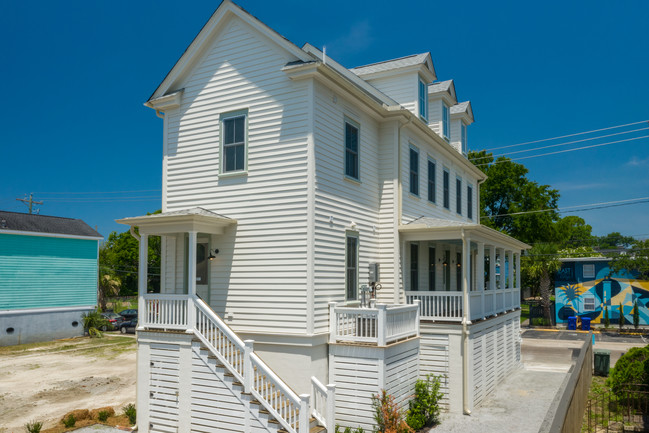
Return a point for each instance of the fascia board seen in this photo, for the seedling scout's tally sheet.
(420, 69)
(50, 235)
(167, 102)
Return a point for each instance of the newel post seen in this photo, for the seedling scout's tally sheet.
(247, 365)
(381, 323)
(304, 414)
(331, 406)
(332, 322)
(418, 316)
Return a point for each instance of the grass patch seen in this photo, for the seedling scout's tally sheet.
(84, 344)
(525, 312)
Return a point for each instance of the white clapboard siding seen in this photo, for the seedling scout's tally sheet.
(435, 115)
(413, 206)
(402, 88)
(401, 374)
(264, 255)
(356, 381)
(164, 386)
(342, 200)
(434, 359)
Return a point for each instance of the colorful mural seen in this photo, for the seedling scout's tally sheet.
(576, 296)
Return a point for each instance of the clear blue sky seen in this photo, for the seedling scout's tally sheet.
(75, 75)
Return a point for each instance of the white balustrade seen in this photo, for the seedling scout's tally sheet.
(323, 403)
(381, 325)
(445, 306)
(448, 306)
(165, 311)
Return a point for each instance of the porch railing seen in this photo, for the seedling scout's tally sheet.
(165, 311)
(323, 403)
(381, 325)
(448, 306)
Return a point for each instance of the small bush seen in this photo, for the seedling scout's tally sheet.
(34, 427)
(93, 321)
(387, 415)
(103, 415)
(95, 413)
(607, 319)
(130, 412)
(424, 407)
(621, 319)
(636, 315)
(349, 430)
(69, 421)
(631, 369)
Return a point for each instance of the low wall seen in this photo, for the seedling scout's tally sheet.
(31, 326)
(567, 410)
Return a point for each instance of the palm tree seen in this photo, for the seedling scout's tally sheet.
(540, 263)
(108, 286)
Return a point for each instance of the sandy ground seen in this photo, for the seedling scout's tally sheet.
(44, 382)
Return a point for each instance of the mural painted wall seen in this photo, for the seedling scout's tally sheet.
(584, 288)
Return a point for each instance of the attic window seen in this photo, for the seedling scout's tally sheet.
(233, 141)
(423, 103)
(446, 124)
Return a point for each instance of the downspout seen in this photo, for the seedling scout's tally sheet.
(465, 335)
(135, 235)
(399, 197)
(159, 114)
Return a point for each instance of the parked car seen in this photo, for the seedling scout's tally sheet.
(113, 320)
(128, 326)
(129, 314)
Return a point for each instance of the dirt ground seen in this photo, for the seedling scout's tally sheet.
(42, 382)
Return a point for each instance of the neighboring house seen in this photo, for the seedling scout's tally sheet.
(48, 276)
(290, 184)
(585, 286)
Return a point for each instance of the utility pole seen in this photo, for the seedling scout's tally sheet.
(29, 202)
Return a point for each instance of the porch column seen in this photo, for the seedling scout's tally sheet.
(492, 267)
(480, 278)
(510, 271)
(142, 277)
(501, 258)
(191, 281)
(518, 270)
(466, 274)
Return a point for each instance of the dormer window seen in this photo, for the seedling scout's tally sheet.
(463, 138)
(446, 121)
(423, 102)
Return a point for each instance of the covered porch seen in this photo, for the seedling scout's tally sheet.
(459, 271)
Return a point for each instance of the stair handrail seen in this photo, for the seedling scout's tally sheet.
(290, 410)
(327, 394)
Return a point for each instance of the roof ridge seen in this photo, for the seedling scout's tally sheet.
(388, 61)
(39, 215)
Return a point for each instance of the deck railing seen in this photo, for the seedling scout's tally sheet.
(165, 311)
(323, 403)
(448, 306)
(381, 325)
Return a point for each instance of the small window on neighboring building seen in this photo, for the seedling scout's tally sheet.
(414, 171)
(414, 266)
(432, 196)
(233, 150)
(351, 266)
(469, 202)
(423, 100)
(589, 271)
(464, 139)
(589, 303)
(447, 181)
(458, 196)
(351, 150)
(446, 121)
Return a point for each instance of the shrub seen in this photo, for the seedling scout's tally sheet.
(621, 319)
(95, 413)
(387, 415)
(93, 322)
(103, 415)
(349, 430)
(69, 421)
(632, 368)
(636, 315)
(424, 407)
(130, 412)
(34, 427)
(607, 319)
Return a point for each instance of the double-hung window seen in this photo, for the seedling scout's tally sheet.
(414, 171)
(446, 121)
(351, 150)
(234, 141)
(431, 181)
(351, 266)
(447, 182)
(423, 101)
(458, 196)
(469, 202)
(414, 266)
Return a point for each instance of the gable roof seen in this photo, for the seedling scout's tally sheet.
(463, 108)
(23, 222)
(402, 62)
(226, 9)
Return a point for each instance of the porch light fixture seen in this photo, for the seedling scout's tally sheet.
(213, 254)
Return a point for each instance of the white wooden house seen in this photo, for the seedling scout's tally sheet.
(286, 178)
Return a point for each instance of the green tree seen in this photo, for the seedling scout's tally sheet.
(614, 241)
(107, 286)
(634, 259)
(573, 232)
(514, 204)
(540, 263)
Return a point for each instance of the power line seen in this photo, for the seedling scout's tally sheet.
(569, 135)
(104, 199)
(591, 206)
(104, 192)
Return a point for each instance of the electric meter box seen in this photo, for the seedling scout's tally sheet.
(374, 272)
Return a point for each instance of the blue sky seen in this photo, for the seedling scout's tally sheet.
(75, 75)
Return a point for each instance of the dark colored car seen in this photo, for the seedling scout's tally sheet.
(128, 326)
(129, 314)
(113, 320)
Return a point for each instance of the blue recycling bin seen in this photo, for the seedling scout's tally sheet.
(572, 323)
(585, 323)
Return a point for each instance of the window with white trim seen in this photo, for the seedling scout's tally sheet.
(352, 160)
(414, 266)
(423, 100)
(458, 195)
(469, 202)
(351, 266)
(432, 184)
(589, 271)
(447, 181)
(589, 303)
(234, 141)
(414, 171)
(446, 121)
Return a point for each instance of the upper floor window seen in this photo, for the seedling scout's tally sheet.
(446, 121)
(469, 202)
(414, 171)
(351, 150)
(447, 181)
(458, 195)
(431, 181)
(589, 271)
(423, 101)
(233, 151)
(414, 266)
(351, 266)
(464, 139)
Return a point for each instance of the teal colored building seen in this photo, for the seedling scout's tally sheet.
(48, 276)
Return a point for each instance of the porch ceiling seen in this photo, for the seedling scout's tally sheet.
(188, 220)
(427, 228)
